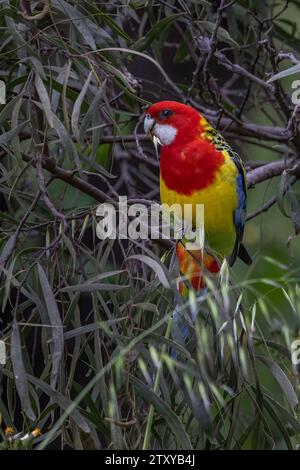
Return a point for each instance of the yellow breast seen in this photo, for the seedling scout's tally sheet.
(219, 199)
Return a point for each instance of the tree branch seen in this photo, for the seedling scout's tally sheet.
(69, 176)
(268, 171)
(254, 176)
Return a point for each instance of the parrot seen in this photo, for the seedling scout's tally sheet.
(197, 166)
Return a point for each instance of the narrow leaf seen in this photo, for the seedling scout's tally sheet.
(57, 337)
(169, 416)
(20, 373)
(222, 34)
(157, 268)
(285, 73)
(63, 402)
(44, 97)
(77, 106)
(281, 378)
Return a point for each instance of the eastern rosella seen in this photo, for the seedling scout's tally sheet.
(197, 166)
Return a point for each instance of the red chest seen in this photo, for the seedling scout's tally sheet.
(191, 167)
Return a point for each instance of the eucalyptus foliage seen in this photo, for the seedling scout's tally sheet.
(89, 351)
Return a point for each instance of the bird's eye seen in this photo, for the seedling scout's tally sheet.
(165, 113)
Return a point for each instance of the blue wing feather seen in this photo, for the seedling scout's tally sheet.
(240, 212)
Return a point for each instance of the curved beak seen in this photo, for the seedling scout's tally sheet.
(149, 123)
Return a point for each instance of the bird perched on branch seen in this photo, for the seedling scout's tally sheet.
(197, 166)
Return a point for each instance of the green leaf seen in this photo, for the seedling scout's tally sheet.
(281, 378)
(157, 268)
(57, 337)
(87, 287)
(8, 281)
(82, 330)
(77, 106)
(222, 34)
(114, 71)
(66, 140)
(292, 420)
(113, 25)
(92, 109)
(279, 424)
(94, 415)
(2, 353)
(44, 97)
(19, 372)
(71, 250)
(182, 54)
(8, 248)
(8, 136)
(285, 73)
(62, 401)
(163, 409)
(81, 23)
(272, 344)
(156, 30)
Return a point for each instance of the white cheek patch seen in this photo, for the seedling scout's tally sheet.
(165, 133)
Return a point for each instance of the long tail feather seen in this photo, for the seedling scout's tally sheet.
(194, 266)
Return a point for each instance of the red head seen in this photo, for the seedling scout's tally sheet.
(172, 122)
